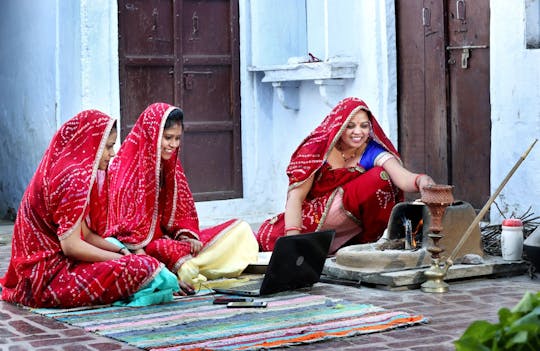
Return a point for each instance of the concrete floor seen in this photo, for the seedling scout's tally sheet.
(450, 314)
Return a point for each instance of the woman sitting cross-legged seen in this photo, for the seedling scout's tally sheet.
(151, 208)
(56, 261)
(347, 176)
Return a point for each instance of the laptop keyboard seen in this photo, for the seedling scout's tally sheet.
(252, 285)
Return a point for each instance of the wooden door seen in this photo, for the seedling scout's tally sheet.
(186, 53)
(444, 109)
(469, 104)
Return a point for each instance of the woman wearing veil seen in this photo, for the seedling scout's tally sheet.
(151, 207)
(56, 260)
(346, 175)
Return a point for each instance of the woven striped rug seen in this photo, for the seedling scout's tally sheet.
(194, 323)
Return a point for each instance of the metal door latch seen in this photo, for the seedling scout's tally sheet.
(465, 53)
(426, 17)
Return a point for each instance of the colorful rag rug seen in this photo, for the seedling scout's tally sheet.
(194, 323)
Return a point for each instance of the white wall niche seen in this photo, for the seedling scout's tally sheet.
(330, 76)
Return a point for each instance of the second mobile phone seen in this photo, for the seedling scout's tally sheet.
(226, 300)
(251, 304)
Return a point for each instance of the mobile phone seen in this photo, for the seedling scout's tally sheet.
(248, 304)
(226, 300)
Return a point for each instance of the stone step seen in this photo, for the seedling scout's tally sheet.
(492, 267)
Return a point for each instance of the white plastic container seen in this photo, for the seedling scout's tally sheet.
(512, 239)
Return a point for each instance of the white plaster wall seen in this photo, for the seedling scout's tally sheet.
(372, 25)
(58, 58)
(27, 93)
(99, 56)
(277, 30)
(515, 110)
(67, 61)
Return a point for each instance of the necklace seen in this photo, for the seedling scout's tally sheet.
(351, 157)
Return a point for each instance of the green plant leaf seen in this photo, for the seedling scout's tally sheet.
(528, 302)
(506, 317)
(476, 336)
(518, 329)
(519, 338)
(470, 344)
(532, 317)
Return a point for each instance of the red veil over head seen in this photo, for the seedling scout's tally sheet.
(136, 209)
(314, 149)
(60, 188)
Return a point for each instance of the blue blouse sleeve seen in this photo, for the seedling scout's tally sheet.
(373, 149)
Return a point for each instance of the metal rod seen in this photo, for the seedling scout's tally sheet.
(489, 202)
(462, 47)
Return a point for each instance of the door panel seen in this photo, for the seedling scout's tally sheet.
(147, 27)
(435, 112)
(444, 109)
(412, 92)
(146, 85)
(470, 118)
(146, 57)
(203, 146)
(211, 96)
(186, 53)
(422, 88)
(214, 80)
(206, 28)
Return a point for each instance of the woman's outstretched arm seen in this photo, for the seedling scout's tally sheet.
(293, 207)
(405, 179)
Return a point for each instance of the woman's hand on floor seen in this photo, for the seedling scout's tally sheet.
(185, 288)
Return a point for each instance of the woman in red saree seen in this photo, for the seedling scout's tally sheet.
(55, 260)
(151, 208)
(347, 176)
(96, 220)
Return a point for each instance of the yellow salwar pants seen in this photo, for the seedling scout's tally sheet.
(226, 256)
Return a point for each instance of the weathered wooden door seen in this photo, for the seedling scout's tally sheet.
(186, 53)
(443, 88)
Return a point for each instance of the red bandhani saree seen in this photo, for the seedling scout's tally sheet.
(55, 202)
(366, 197)
(151, 206)
(97, 209)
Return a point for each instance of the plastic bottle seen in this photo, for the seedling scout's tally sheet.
(512, 239)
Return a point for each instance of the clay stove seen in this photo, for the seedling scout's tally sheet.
(404, 245)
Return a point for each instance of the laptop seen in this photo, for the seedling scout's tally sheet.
(296, 262)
